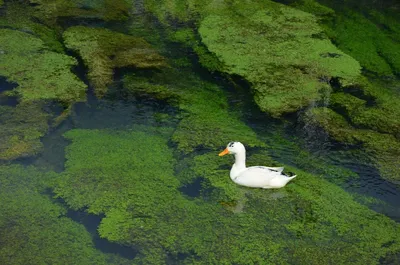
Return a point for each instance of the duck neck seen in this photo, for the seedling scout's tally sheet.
(240, 164)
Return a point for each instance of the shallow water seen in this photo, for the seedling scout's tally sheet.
(119, 111)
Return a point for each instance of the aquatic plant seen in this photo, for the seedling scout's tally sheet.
(281, 51)
(34, 228)
(20, 16)
(210, 125)
(383, 148)
(277, 50)
(41, 74)
(367, 32)
(21, 129)
(102, 50)
(129, 177)
(49, 11)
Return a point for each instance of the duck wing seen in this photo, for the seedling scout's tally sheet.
(257, 176)
(277, 169)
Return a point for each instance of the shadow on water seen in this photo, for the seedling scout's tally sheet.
(91, 223)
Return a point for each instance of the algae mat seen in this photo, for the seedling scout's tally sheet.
(129, 176)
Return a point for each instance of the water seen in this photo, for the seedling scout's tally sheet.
(123, 111)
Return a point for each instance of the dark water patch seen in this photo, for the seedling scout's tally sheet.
(192, 189)
(390, 259)
(119, 114)
(66, 22)
(54, 108)
(53, 155)
(179, 258)
(359, 93)
(11, 101)
(91, 223)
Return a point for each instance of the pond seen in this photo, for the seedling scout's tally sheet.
(113, 114)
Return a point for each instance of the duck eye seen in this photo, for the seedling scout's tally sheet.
(231, 144)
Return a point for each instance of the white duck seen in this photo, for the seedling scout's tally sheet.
(255, 177)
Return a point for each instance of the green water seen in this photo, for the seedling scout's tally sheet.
(130, 174)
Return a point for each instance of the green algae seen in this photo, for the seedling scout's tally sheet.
(20, 17)
(50, 11)
(276, 50)
(40, 73)
(370, 35)
(382, 147)
(364, 40)
(127, 150)
(21, 129)
(129, 177)
(102, 50)
(210, 125)
(280, 51)
(34, 229)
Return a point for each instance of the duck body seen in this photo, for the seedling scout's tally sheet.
(257, 176)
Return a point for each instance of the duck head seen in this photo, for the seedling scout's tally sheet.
(233, 148)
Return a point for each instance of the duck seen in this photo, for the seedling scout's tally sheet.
(256, 176)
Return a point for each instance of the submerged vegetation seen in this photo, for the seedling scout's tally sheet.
(34, 228)
(102, 50)
(39, 73)
(129, 177)
(21, 128)
(159, 188)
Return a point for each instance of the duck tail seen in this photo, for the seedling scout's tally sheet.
(290, 178)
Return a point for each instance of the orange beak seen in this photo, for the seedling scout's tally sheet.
(225, 152)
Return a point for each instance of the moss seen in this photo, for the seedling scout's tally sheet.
(34, 229)
(138, 151)
(276, 49)
(103, 50)
(21, 129)
(332, 122)
(129, 176)
(368, 33)
(383, 115)
(347, 102)
(371, 105)
(39, 73)
(363, 40)
(20, 17)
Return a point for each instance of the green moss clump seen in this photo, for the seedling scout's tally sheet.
(34, 229)
(103, 50)
(19, 16)
(369, 32)
(39, 73)
(383, 115)
(362, 39)
(277, 50)
(346, 102)
(21, 129)
(141, 162)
